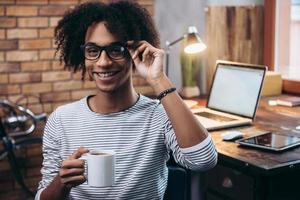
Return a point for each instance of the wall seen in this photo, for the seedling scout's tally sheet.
(28, 67)
(172, 19)
(27, 63)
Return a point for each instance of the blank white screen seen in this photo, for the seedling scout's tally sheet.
(236, 89)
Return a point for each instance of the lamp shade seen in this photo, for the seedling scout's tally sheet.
(193, 42)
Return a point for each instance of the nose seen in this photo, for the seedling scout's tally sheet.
(103, 60)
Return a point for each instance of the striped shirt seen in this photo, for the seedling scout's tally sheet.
(141, 136)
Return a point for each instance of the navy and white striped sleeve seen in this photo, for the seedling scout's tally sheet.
(51, 146)
(202, 156)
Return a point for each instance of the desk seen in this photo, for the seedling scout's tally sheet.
(245, 173)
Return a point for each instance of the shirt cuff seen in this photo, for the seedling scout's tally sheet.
(197, 147)
(38, 194)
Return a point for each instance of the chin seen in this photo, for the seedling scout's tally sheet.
(107, 89)
(120, 85)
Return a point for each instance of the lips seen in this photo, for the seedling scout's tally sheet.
(105, 74)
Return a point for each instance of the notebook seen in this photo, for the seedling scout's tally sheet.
(288, 101)
(233, 96)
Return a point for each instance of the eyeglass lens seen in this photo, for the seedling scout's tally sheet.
(114, 51)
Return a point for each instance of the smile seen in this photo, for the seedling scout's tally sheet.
(105, 74)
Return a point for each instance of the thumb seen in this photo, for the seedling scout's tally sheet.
(77, 154)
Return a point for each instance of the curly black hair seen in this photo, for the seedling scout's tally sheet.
(125, 19)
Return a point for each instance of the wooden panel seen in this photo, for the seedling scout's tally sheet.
(269, 33)
(235, 34)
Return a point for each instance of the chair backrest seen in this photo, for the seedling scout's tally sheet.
(178, 185)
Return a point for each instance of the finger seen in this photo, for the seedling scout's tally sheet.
(145, 46)
(152, 48)
(145, 54)
(139, 50)
(74, 163)
(143, 42)
(137, 44)
(79, 152)
(132, 44)
(74, 180)
(64, 173)
(159, 53)
(136, 60)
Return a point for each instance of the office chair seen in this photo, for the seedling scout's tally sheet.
(178, 187)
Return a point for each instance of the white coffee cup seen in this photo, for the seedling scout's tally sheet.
(100, 168)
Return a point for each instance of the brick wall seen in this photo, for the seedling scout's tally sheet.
(28, 67)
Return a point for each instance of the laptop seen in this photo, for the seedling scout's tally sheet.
(233, 96)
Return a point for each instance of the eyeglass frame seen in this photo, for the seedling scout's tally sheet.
(101, 48)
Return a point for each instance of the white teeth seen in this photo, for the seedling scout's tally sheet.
(104, 75)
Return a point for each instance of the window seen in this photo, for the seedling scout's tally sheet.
(287, 40)
(282, 41)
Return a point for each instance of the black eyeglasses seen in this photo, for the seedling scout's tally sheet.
(114, 51)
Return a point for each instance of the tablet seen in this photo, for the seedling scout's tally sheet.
(271, 141)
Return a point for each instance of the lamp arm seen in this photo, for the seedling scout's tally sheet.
(169, 44)
(167, 61)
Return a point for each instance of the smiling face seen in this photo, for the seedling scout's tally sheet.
(109, 75)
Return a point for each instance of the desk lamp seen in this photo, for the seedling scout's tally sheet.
(192, 45)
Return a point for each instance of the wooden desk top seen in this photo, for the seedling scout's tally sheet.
(273, 118)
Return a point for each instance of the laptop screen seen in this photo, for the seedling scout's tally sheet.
(236, 89)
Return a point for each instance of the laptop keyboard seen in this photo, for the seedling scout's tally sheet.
(215, 117)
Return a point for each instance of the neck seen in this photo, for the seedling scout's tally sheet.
(104, 102)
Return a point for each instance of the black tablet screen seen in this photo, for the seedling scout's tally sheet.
(273, 140)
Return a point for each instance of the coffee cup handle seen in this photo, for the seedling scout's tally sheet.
(84, 157)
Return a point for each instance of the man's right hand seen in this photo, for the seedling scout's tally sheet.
(70, 175)
(72, 169)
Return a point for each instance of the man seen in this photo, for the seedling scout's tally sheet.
(109, 41)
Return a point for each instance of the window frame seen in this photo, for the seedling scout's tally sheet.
(288, 86)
